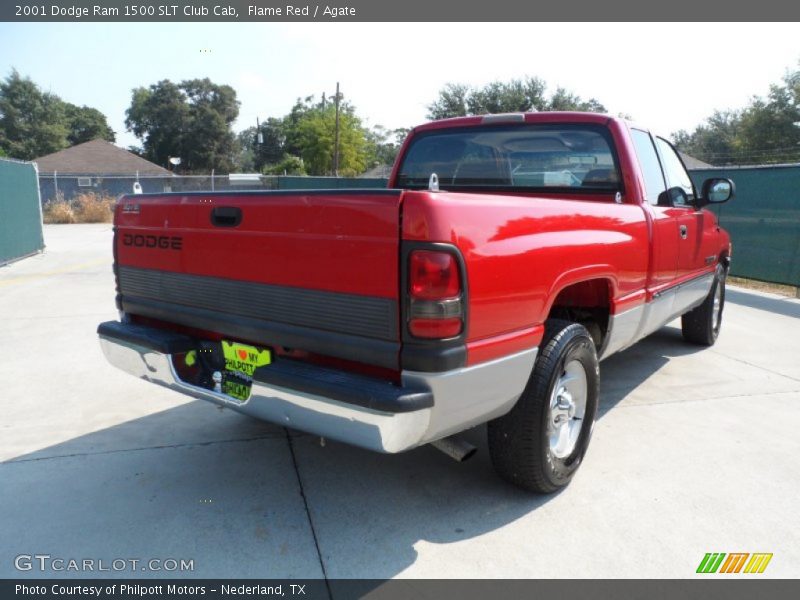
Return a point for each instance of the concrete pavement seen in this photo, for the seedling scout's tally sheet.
(695, 451)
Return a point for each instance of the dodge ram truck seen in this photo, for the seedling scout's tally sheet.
(508, 255)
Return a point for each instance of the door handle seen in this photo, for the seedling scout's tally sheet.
(226, 216)
(684, 232)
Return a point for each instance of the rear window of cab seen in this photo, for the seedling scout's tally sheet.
(546, 157)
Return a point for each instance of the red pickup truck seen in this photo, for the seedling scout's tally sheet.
(508, 256)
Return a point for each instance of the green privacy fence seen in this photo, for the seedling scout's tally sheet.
(55, 186)
(327, 183)
(763, 220)
(20, 211)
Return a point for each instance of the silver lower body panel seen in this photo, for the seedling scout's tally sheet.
(463, 398)
(627, 328)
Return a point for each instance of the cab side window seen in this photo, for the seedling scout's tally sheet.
(651, 167)
(675, 172)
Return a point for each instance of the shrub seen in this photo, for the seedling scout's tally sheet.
(289, 165)
(94, 208)
(85, 208)
(58, 212)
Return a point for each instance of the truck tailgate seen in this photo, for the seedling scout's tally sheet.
(314, 271)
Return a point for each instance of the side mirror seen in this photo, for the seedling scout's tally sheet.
(674, 196)
(716, 191)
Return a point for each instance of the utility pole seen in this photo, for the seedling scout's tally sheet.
(336, 136)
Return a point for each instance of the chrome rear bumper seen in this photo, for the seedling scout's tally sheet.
(462, 398)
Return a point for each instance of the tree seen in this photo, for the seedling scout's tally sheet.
(383, 145)
(86, 124)
(307, 134)
(255, 155)
(564, 100)
(34, 123)
(516, 95)
(246, 144)
(452, 102)
(765, 131)
(718, 137)
(191, 120)
(315, 139)
(273, 139)
(302, 142)
(290, 165)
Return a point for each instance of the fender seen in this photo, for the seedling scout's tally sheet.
(581, 275)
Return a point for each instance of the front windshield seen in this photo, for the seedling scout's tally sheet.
(542, 157)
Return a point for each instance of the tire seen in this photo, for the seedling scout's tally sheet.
(526, 445)
(701, 325)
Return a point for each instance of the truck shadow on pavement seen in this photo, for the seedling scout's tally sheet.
(788, 307)
(248, 499)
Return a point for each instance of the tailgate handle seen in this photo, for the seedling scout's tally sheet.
(226, 216)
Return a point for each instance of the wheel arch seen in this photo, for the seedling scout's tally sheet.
(584, 297)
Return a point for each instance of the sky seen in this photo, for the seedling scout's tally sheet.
(667, 76)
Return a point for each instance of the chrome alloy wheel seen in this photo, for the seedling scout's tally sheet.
(567, 409)
(717, 306)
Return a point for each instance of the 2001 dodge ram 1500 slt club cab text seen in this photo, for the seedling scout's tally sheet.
(508, 256)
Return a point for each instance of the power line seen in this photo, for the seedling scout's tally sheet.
(760, 153)
(750, 154)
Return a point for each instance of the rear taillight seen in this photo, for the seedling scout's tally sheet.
(436, 303)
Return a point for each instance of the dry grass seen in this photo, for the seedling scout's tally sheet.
(85, 208)
(94, 208)
(58, 212)
(763, 286)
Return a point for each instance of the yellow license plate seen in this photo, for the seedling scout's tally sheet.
(244, 359)
(241, 361)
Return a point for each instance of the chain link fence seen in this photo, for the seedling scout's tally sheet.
(763, 219)
(67, 187)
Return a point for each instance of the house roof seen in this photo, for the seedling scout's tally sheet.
(693, 163)
(97, 157)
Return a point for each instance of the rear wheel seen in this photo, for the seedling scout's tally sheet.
(540, 444)
(701, 325)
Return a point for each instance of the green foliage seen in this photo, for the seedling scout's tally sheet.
(767, 130)
(34, 123)
(303, 141)
(717, 137)
(315, 137)
(259, 156)
(289, 165)
(383, 145)
(452, 102)
(564, 100)
(191, 120)
(245, 153)
(517, 95)
(86, 124)
(273, 137)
